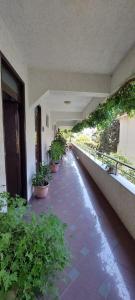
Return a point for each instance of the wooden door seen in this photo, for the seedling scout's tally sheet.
(38, 147)
(14, 129)
(12, 145)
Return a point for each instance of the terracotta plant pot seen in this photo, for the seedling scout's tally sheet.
(11, 295)
(41, 191)
(54, 168)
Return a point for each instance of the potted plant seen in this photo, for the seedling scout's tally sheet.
(40, 181)
(59, 138)
(55, 153)
(44, 169)
(33, 251)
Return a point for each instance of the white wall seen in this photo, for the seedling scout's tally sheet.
(118, 191)
(66, 116)
(47, 132)
(126, 144)
(13, 54)
(92, 106)
(65, 124)
(124, 71)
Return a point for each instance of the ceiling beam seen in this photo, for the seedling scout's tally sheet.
(40, 81)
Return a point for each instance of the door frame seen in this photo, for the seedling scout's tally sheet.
(4, 61)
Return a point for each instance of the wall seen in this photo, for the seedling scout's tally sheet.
(117, 190)
(127, 137)
(92, 106)
(65, 124)
(124, 71)
(66, 116)
(13, 54)
(47, 132)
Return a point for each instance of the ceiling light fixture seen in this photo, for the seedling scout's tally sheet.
(67, 102)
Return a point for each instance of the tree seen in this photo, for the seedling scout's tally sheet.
(109, 138)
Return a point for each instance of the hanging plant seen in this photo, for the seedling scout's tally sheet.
(123, 101)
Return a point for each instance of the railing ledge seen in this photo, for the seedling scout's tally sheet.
(119, 178)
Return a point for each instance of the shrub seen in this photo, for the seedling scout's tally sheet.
(32, 252)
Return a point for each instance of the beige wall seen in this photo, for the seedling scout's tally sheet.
(124, 71)
(92, 106)
(127, 137)
(13, 54)
(47, 133)
(118, 191)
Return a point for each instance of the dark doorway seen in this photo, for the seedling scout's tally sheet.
(14, 130)
(12, 145)
(38, 147)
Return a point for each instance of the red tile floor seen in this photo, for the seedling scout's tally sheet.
(103, 252)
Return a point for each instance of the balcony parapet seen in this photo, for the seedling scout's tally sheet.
(119, 192)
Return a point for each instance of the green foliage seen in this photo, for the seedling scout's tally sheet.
(43, 176)
(58, 147)
(56, 151)
(121, 158)
(67, 135)
(123, 170)
(83, 139)
(80, 126)
(44, 169)
(31, 252)
(123, 101)
(109, 138)
(38, 179)
(60, 138)
(16, 200)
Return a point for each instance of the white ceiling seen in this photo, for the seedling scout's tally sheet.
(72, 35)
(55, 101)
(66, 123)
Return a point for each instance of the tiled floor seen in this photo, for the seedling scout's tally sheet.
(103, 253)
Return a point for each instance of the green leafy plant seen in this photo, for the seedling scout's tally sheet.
(109, 138)
(67, 135)
(60, 138)
(44, 169)
(38, 179)
(123, 101)
(32, 252)
(82, 139)
(56, 151)
(43, 176)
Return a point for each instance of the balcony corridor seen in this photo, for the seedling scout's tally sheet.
(103, 252)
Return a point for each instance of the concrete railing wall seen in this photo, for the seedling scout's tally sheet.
(119, 192)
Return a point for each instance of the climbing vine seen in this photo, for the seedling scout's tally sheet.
(123, 101)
